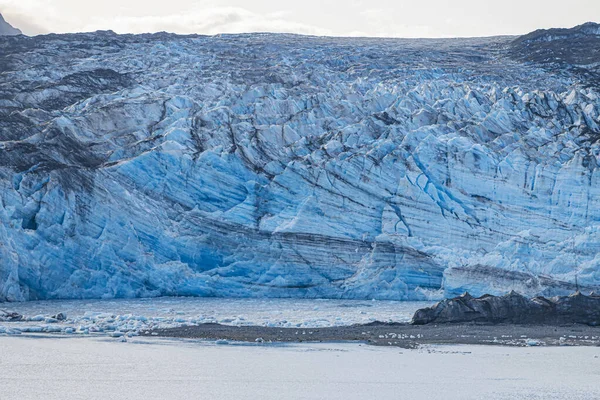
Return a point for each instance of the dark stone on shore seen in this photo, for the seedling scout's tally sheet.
(398, 334)
(513, 308)
(7, 316)
(60, 317)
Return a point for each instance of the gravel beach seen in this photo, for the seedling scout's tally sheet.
(400, 335)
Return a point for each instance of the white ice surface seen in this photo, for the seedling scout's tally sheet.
(87, 368)
(107, 316)
(285, 166)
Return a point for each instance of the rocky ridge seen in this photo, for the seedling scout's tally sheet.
(513, 308)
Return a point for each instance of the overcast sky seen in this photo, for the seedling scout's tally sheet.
(393, 18)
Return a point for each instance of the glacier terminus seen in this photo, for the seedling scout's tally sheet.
(278, 165)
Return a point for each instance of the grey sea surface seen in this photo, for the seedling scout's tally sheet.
(152, 368)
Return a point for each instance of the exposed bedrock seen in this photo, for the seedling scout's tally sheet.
(10, 316)
(290, 166)
(513, 308)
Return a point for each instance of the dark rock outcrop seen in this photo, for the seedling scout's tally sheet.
(60, 316)
(576, 49)
(575, 46)
(7, 316)
(513, 308)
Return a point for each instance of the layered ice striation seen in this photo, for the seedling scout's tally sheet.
(270, 165)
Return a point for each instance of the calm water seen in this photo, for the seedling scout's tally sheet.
(87, 368)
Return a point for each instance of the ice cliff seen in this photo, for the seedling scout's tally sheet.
(290, 166)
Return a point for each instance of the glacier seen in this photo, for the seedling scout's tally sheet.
(277, 165)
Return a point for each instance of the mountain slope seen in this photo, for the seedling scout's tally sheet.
(290, 166)
(576, 49)
(7, 29)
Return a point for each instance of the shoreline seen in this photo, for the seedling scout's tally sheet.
(395, 334)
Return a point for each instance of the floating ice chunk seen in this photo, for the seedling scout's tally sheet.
(534, 342)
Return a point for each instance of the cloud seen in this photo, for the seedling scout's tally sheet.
(383, 23)
(208, 21)
(22, 14)
(375, 18)
(25, 15)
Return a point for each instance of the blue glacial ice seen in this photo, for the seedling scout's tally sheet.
(286, 166)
